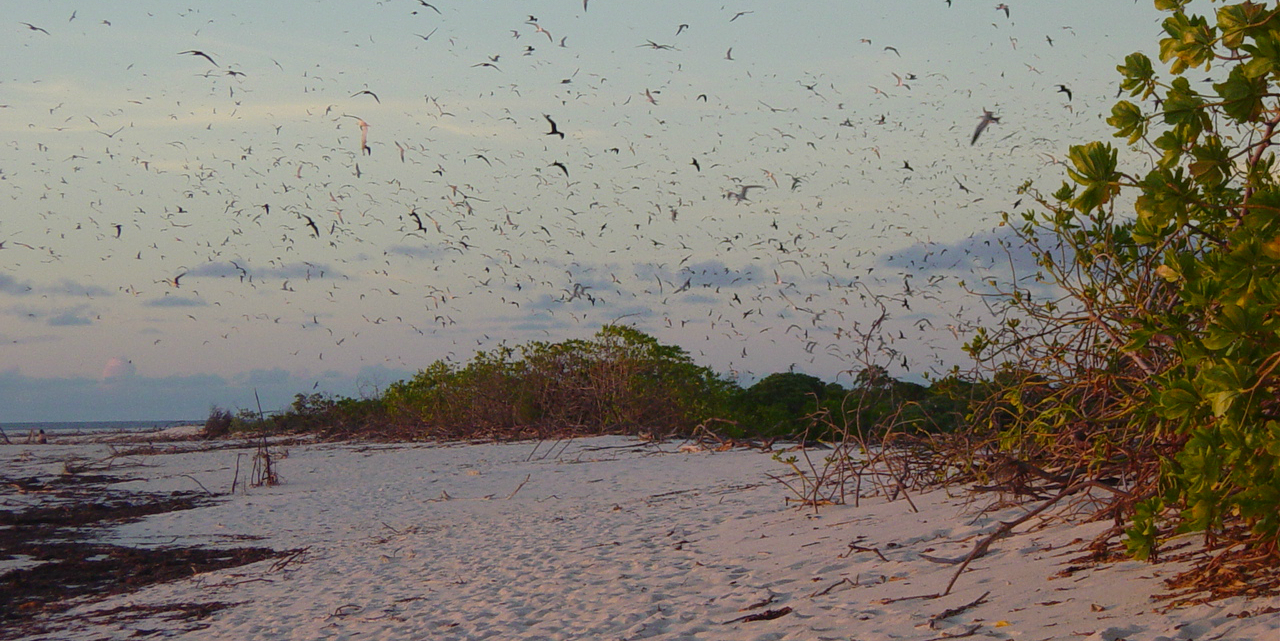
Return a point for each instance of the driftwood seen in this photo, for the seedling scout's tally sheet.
(767, 615)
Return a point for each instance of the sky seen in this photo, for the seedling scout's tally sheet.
(327, 195)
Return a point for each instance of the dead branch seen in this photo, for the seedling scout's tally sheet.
(947, 614)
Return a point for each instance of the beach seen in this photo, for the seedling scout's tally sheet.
(595, 538)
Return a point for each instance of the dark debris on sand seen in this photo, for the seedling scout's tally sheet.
(59, 534)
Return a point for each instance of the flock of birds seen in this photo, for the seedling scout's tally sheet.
(437, 185)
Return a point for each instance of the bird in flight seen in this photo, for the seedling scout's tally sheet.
(366, 91)
(312, 224)
(987, 118)
(741, 194)
(1003, 7)
(1064, 89)
(173, 281)
(555, 131)
(199, 53)
(34, 28)
(364, 134)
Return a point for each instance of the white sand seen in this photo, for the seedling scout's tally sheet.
(422, 542)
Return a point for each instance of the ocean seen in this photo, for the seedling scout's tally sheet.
(22, 429)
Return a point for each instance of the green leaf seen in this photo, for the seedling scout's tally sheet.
(1245, 19)
(1095, 170)
(1212, 162)
(1128, 120)
(1139, 76)
(1190, 43)
(1242, 95)
(1179, 401)
(1183, 106)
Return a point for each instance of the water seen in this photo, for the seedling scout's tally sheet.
(21, 429)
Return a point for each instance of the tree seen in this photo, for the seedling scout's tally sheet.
(1158, 353)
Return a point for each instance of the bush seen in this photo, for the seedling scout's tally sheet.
(1154, 361)
(218, 425)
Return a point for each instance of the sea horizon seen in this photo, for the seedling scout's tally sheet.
(20, 428)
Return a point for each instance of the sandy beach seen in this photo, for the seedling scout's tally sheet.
(598, 538)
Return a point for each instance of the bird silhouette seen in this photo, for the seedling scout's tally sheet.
(987, 119)
(202, 54)
(555, 131)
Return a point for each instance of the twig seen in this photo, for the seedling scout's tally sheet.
(197, 482)
(947, 614)
(967, 633)
(1005, 527)
(829, 588)
(236, 478)
(854, 547)
(293, 557)
(535, 451)
(513, 492)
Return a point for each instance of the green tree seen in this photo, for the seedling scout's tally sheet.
(779, 404)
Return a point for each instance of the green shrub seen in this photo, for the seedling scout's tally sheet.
(1155, 360)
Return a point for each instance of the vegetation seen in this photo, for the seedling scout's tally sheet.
(621, 381)
(218, 424)
(1148, 364)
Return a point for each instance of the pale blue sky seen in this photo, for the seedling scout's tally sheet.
(106, 123)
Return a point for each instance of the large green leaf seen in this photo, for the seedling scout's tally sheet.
(1095, 170)
(1242, 95)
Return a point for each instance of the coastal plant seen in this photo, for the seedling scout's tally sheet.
(621, 381)
(218, 424)
(1143, 350)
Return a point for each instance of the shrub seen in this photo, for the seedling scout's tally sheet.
(1153, 358)
(218, 425)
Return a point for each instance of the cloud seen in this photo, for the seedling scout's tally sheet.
(69, 318)
(9, 285)
(175, 301)
(245, 270)
(67, 287)
(117, 368)
(417, 252)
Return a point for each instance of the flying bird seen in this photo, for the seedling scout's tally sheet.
(202, 54)
(555, 131)
(311, 224)
(34, 28)
(987, 118)
(366, 91)
(1064, 89)
(1003, 7)
(741, 194)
